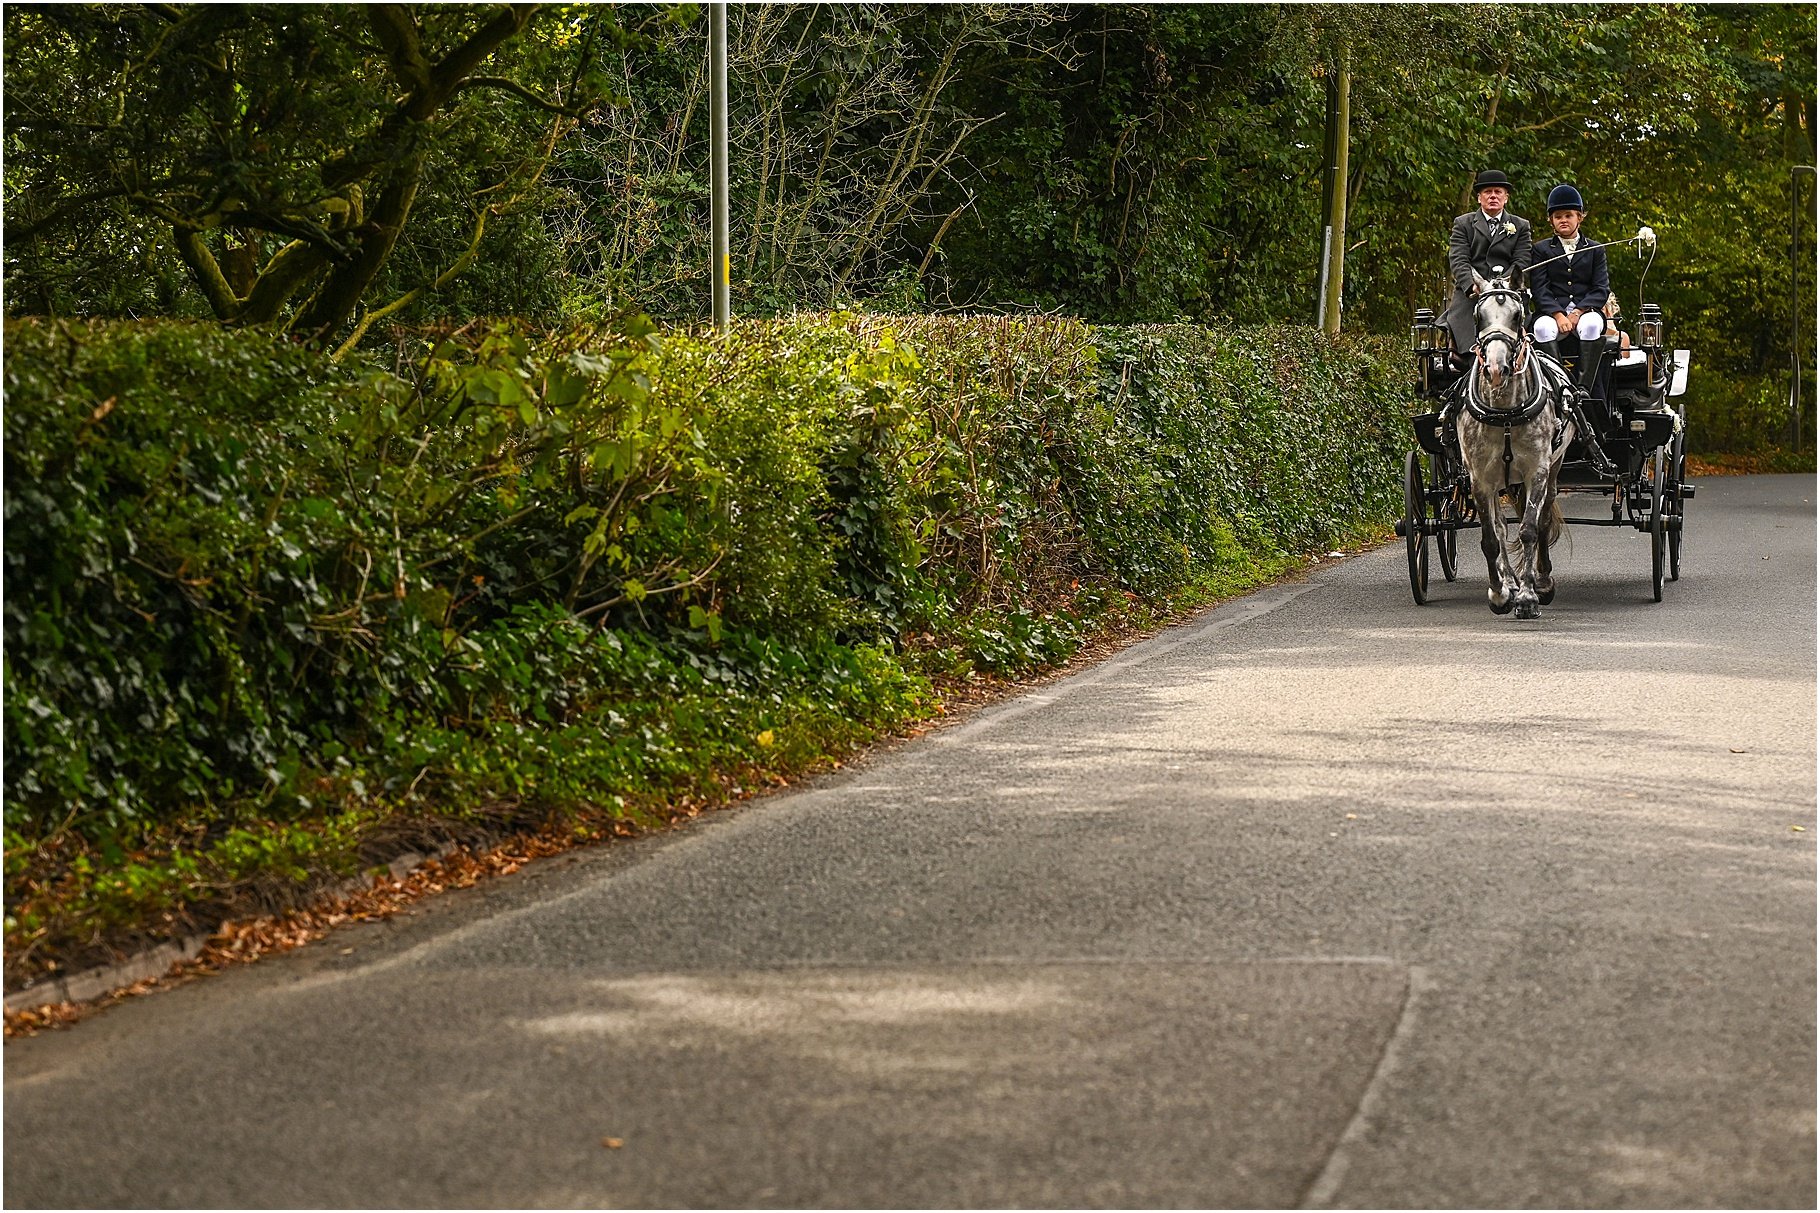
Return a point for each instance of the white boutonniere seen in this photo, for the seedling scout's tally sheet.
(1510, 229)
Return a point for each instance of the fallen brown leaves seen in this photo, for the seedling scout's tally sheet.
(247, 941)
(1752, 464)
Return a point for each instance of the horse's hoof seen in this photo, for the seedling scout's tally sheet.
(1528, 610)
(1545, 596)
(1500, 608)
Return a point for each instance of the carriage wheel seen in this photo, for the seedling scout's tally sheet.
(1658, 523)
(1441, 479)
(1677, 463)
(1415, 503)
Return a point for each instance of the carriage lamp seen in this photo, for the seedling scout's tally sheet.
(1649, 326)
(1422, 333)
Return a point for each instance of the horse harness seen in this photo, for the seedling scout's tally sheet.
(1530, 409)
(1547, 385)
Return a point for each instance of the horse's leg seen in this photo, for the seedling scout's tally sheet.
(1484, 462)
(1545, 569)
(1553, 522)
(1491, 542)
(1526, 597)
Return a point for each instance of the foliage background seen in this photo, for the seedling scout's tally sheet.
(1122, 163)
(370, 477)
(268, 613)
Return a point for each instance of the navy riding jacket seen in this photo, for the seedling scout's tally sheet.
(1583, 282)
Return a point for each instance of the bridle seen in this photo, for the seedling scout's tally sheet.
(1519, 342)
(1521, 345)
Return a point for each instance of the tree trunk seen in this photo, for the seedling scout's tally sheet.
(340, 295)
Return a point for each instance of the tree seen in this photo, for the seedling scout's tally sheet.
(844, 131)
(277, 151)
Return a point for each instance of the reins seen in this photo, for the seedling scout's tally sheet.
(1543, 389)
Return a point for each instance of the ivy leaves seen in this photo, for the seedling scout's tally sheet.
(257, 573)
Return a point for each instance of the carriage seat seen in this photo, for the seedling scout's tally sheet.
(1631, 371)
(1632, 387)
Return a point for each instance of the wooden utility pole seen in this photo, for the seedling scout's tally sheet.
(1333, 232)
(1801, 324)
(1326, 232)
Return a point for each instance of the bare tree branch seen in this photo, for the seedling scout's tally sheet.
(518, 90)
(63, 210)
(282, 277)
(459, 63)
(396, 29)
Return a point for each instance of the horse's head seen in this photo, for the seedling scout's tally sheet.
(1498, 312)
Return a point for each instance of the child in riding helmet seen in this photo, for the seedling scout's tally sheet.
(1571, 283)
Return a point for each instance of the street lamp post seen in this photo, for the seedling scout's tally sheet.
(717, 82)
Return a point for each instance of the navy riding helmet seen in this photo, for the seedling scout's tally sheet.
(1565, 198)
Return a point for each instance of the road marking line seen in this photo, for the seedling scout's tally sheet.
(1327, 1184)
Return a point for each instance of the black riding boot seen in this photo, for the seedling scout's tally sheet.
(1592, 358)
(1595, 360)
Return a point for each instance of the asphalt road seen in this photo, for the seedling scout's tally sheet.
(1323, 899)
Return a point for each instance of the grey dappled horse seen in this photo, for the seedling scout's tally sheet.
(1514, 430)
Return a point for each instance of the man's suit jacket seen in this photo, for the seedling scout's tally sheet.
(1583, 283)
(1473, 245)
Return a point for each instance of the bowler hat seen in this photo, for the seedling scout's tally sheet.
(1488, 178)
(1565, 198)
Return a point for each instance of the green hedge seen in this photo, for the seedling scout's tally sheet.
(260, 604)
(1745, 415)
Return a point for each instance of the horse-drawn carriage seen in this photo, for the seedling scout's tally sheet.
(1513, 429)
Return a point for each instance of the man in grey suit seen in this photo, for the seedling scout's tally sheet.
(1490, 241)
